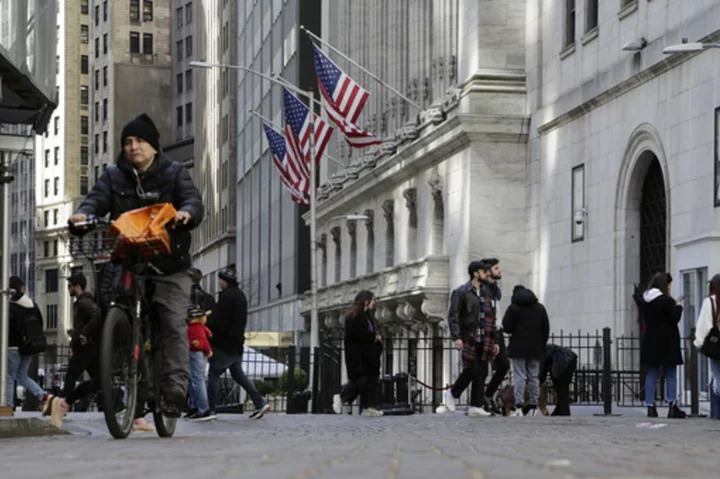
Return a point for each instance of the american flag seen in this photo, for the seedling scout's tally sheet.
(343, 99)
(297, 131)
(296, 184)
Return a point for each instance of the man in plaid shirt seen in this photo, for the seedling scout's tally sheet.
(472, 326)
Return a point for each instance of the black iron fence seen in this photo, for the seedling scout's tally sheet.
(417, 371)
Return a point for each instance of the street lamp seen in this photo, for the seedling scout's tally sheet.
(310, 95)
(689, 47)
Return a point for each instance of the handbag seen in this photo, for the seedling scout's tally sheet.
(711, 345)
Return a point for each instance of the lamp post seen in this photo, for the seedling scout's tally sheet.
(689, 47)
(310, 95)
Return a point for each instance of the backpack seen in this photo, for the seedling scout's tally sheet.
(562, 357)
(30, 331)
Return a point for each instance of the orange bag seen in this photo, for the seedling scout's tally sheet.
(142, 231)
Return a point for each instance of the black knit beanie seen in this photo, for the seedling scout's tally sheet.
(142, 127)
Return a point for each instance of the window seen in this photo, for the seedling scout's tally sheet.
(55, 216)
(147, 11)
(97, 172)
(188, 12)
(147, 43)
(84, 34)
(84, 155)
(694, 292)
(97, 80)
(569, 23)
(57, 156)
(591, 20)
(179, 50)
(84, 64)
(717, 157)
(51, 280)
(179, 83)
(105, 109)
(51, 321)
(56, 186)
(134, 42)
(188, 46)
(57, 64)
(105, 141)
(46, 248)
(84, 125)
(178, 110)
(84, 7)
(188, 113)
(135, 11)
(47, 188)
(188, 80)
(84, 95)
(47, 158)
(105, 76)
(97, 112)
(97, 48)
(577, 207)
(105, 10)
(46, 214)
(83, 185)
(105, 44)
(97, 143)
(56, 125)
(179, 14)
(97, 15)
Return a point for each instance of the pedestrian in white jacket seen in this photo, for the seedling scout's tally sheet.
(707, 318)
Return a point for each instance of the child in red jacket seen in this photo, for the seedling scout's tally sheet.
(198, 335)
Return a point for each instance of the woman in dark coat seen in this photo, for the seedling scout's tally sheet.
(363, 348)
(660, 346)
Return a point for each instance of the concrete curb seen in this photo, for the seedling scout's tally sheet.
(27, 427)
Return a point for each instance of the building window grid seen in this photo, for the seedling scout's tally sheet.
(84, 34)
(135, 11)
(84, 64)
(179, 83)
(51, 316)
(84, 7)
(188, 46)
(57, 156)
(179, 46)
(105, 44)
(134, 42)
(97, 48)
(188, 13)
(147, 11)
(97, 111)
(569, 23)
(105, 109)
(105, 11)
(105, 76)
(188, 113)
(51, 280)
(147, 43)
(179, 14)
(188, 80)
(591, 16)
(97, 15)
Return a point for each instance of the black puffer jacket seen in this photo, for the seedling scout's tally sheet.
(228, 320)
(117, 192)
(86, 320)
(527, 321)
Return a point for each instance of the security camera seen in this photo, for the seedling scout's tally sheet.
(580, 214)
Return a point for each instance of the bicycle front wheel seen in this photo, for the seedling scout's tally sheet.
(119, 369)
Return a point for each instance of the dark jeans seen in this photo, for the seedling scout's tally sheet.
(562, 389)
(475, 374)
(365, 387)
(501, 364)
(220, 361)
(86, 358)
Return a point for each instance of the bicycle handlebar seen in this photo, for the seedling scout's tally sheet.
(90, 222)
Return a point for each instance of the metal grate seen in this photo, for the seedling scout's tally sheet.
(653, 225)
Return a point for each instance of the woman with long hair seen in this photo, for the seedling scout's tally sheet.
(660, 346)
(708, 318)
(363, 348)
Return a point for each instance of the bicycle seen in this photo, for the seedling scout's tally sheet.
(130, 334)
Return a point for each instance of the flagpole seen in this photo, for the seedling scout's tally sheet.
(314, 322)
(279, 129)
(275, 75)
(365, 70)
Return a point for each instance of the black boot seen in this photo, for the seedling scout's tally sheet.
(674, 412)
(652, 411)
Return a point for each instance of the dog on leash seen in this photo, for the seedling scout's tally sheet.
(506, 399)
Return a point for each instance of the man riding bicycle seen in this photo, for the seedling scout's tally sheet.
(141, 176)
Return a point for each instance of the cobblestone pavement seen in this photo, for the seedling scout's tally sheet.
(421, 446)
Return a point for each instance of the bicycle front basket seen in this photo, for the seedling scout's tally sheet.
(142, 231)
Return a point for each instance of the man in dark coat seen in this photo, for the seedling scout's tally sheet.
(527, 321)
(227, 323)
(142, 176)
(560, 363)
(198, 296)
(501, 363)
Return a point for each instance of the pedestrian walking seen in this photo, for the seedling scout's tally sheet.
(560, 363)
(227, 323)
(472, 325)
(26, 339)
(198, 296)
(706, 332)
(363, 348)
(527, 321)
(199, 337)
(660, 346)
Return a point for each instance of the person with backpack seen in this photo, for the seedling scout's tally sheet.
(707, 338)
(26, 339)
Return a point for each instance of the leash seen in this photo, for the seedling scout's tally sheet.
(442, 388)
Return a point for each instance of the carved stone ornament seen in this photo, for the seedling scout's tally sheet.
(388, 207)
(370, 222)
(452, 64)
(436, 185)
(351, 227)
(410, 195)
(335, 232)
(322, 242)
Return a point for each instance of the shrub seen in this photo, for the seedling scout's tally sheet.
(301, 381)
(264, 388)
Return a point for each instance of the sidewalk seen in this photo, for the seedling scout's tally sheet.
(27, 425)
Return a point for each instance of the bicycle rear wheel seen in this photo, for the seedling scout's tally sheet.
(165, 425)
(119, 369)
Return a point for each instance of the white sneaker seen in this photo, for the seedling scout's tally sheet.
(450, 401)
(371, 412)
(517, 413)
(337, 404)
(478, 412)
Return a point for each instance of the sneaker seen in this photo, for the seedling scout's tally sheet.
(530, 410)
(478, 412)
(191, 413)
(652, 411)
(58, 409)
(259, 413)
(517, 412)
(337, 404)
(674, 412)
(47, 406)
(371, 412)
(206, 416)
(450, 401)
(141, 425)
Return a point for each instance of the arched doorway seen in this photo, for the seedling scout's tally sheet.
(653, 223)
